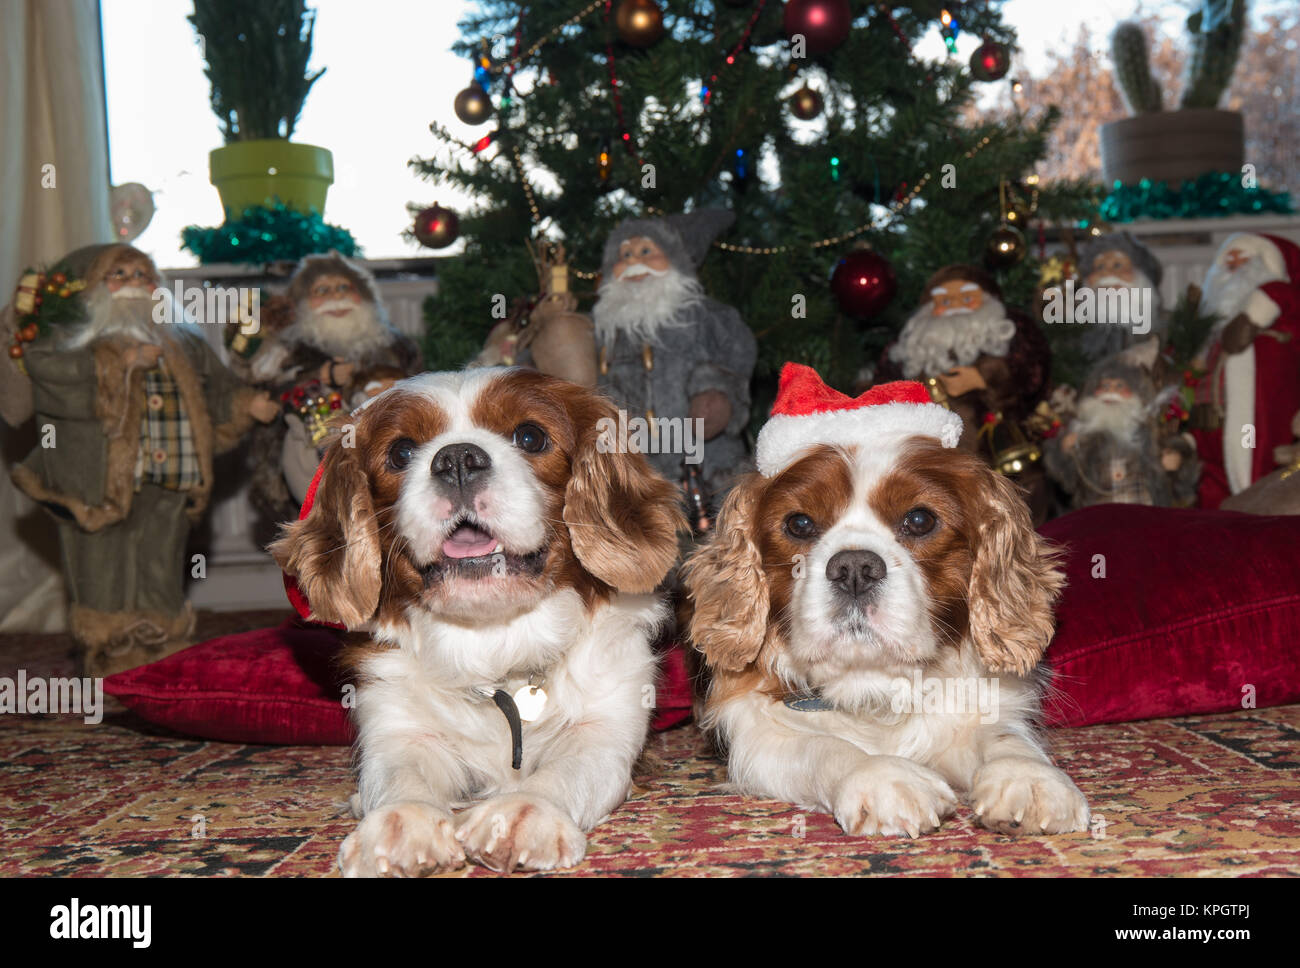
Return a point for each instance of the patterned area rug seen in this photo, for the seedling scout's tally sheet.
(1209, 795)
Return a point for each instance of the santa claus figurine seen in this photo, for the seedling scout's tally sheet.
(665, 350)
(319, 363)
(1244, 405)
(131, 411)
(984, 361)
(1115, 451)
(1124, 275)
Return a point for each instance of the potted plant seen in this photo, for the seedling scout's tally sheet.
(257, 53)
(1174, 146)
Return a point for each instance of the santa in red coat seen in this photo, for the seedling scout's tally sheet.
(1252, 391)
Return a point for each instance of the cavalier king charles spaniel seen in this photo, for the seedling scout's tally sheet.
(503, 567)
(872, 609)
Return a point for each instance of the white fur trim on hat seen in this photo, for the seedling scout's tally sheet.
(785, 436)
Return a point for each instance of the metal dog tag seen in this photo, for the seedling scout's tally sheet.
(530, 701)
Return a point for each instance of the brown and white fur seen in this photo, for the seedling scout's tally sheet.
(970, 598)
(475, 561)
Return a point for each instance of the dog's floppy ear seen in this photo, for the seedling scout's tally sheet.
(1014, 583)
(727, 585)
(333, 550)
(623, 518)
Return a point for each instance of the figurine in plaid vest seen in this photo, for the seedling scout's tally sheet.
(130, 411)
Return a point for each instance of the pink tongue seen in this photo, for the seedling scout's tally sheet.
(468, 541)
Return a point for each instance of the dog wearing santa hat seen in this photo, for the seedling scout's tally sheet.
(873, 608)
(1245, 405)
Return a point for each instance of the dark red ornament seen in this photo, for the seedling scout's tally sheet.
(437, 227)
(863, 283)
(990, 61)
(823, 23)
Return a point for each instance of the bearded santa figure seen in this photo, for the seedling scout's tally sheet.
(665, 350)
(982, 360)
(132, 411)
(1245, 404)
(1113, 451)
(1119, 264)
(338, 344)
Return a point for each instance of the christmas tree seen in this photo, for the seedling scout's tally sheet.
(814, 121)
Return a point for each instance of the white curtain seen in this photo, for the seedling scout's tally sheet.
(53, 199)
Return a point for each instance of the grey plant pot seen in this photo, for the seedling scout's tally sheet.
(1172, 146)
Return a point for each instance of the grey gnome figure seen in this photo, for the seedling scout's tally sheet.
(1125, 278)
(1114, 451)
(678, 362)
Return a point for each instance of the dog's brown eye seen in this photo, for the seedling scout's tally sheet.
(918, 521)
(530, 438)
(401, 453)
(799, 525)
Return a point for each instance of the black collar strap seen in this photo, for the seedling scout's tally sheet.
(511, 712)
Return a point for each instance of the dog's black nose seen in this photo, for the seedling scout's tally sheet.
(855, 572)
(461, 466)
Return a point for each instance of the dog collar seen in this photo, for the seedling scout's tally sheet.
(524, 706)
(809, 701)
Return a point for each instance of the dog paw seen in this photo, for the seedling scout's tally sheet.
(401, 840)
(1027, 797)
(893, 797)
(519, 831)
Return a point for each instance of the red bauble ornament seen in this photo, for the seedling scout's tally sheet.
(437, 227)
(823, 23)
(990, 61)
(863, 283)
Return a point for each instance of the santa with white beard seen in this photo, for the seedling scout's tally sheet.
(666, 350)
(1245, 404)
(1119, 262)
(1114, 450)
(984, 361)
(132, 404)
(340, 338)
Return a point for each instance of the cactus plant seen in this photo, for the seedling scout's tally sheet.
(1216, 29)
(1128, 49)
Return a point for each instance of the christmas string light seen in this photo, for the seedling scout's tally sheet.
(527, 185)
(546, 38)
(706, 92)
(625, 135)
(894, 211)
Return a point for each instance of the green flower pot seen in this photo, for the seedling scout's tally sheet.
(249, 173)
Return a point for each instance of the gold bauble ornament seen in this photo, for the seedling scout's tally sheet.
(473, 106)
(805, 104)
(640, 23)
(1005, 248)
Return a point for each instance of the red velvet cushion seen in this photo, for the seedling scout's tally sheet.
(282, 685)
(277, 685)
(1194, 606)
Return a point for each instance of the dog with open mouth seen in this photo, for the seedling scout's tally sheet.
(503, 565)
(873, 608)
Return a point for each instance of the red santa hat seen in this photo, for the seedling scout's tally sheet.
(296, 598)
(807, 412)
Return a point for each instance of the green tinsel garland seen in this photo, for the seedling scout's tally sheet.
(268, 233)
(1212, 195)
